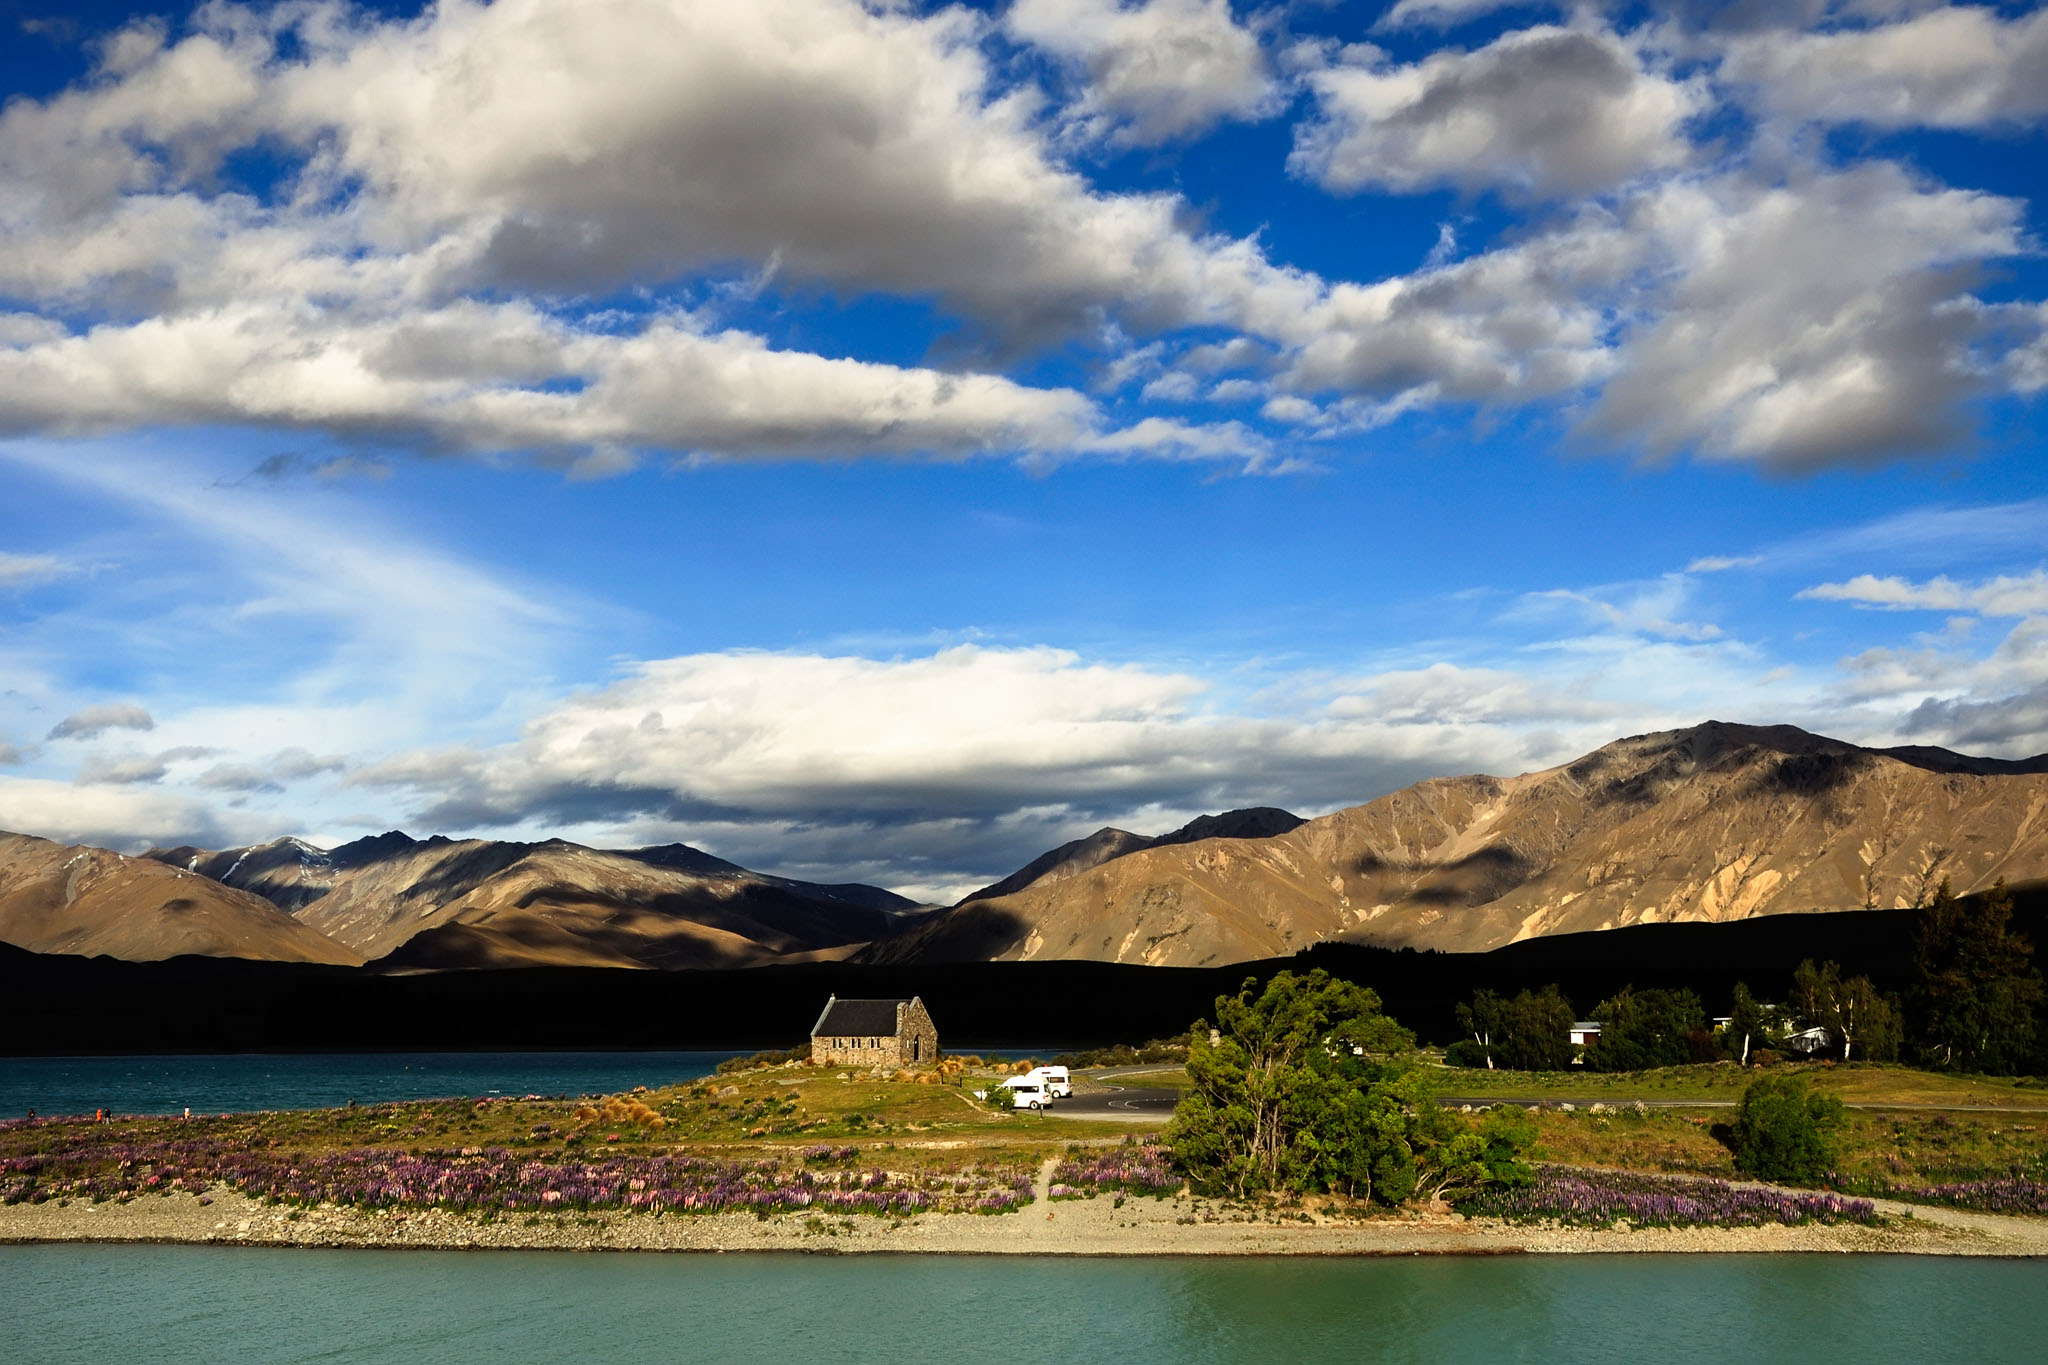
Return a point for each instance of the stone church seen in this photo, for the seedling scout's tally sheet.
(891, 1033)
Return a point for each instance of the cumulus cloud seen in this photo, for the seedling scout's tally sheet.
(1953, 67)
(1995, 704)
(471, 376)
(452, 154)
(1769, 341)
(960, 764)
(1545, 111)
(1510, 325)
(2016, 724)
(2020, 595)
(461, 193)
(117, 817)
(1156, 70)
(96, 720)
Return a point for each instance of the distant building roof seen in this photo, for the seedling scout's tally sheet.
(1586, 1026)
(857, 1018)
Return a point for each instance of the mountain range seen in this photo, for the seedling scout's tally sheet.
(1712, 823)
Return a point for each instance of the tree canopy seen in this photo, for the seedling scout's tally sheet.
(1529, 1032)
(1975, 989)
(1644, 1029)
(1862, 1020)
(1307, 1085)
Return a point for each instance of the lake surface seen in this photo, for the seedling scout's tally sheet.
(93, 1304)
(242, 1082)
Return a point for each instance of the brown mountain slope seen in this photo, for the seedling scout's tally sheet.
(56, 898)
(476, 903)
(1717, 822)
(1073, 858)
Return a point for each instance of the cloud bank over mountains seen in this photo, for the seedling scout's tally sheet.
(638, 243)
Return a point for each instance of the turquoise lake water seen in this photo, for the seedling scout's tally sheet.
(241, 1082)
(95, 1304)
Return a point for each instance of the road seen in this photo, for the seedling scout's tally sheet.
(1119, 1102)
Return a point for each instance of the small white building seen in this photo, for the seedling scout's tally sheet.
(1584, 1032)
(1807, 1041)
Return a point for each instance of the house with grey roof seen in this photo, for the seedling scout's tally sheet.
(874, 1033)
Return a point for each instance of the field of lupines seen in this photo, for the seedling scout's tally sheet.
(2008, 1194)
(1599, 1199)
(1132, 1168)
(78, 1160)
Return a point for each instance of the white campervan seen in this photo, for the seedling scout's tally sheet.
(1058, 1083)
(1026, 1091)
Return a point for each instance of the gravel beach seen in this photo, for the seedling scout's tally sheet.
(1087, 1227)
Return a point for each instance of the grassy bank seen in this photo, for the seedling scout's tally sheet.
(793, 1138)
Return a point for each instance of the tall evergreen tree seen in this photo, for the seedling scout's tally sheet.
(1975, 988)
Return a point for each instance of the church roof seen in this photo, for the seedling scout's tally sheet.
(857, 1018)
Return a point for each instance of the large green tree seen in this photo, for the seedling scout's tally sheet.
(1644, 1029)
(1975, 992)
(1530, 1032)
(1306, 1085)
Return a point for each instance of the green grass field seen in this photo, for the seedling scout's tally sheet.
(1860, 1083)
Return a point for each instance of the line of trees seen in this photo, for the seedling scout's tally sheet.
(1973, 1002)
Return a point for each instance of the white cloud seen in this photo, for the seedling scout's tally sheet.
(950, 768)
(1723, 563)
(490, 378)
(1651, 609)
(1545, 111)
(457, 188)
(862, 149)
(2021, 595)
(1510, 325)
(1448, 13)
(1953, 67)
(1806, 323)
(535, 146)
(96, 720)
(22, 571)
(134, 769)
(1156, 69)
(125, 818)
(1996, 704)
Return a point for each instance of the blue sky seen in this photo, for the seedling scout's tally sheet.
(882, 442)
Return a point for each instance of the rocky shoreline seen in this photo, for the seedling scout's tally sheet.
(1102, 1226)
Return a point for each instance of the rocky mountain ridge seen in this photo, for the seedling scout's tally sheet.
(441, 902)
(1715, 822)
(1712, 823)
(59, 898)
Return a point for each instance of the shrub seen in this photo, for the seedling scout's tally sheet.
(1465, 1053)
(1784, 1131)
